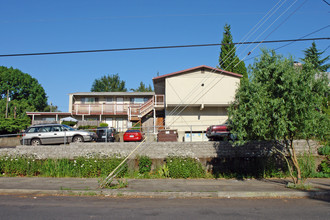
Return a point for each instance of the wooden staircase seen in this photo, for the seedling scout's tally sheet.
(156, 102)
(146, 107)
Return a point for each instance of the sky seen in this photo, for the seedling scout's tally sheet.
(69, 25)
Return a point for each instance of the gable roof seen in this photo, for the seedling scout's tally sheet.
(216, 70)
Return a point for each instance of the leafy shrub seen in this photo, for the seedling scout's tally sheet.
(104, 125)
(85, 127)
(144, 164)
(325, 167)
(163, 171)
(183, 167)
(69, 123)
(13, 125)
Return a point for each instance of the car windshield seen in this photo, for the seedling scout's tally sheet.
(130, 131)
(68, 128)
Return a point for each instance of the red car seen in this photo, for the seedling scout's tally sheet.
(219, 132)
(132, 135)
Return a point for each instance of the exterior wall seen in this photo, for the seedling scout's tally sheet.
(70, 103)
(193, 119)
(201, 88)
(193, 116)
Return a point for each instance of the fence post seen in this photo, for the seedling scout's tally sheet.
(64, 137)
(106, 135)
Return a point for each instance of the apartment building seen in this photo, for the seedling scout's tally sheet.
(188, 101)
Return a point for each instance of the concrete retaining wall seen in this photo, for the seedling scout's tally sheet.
(156, 150)
(9, 141)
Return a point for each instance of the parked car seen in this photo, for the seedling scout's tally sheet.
(132, 135)
(54, 134)
(105, 134)
(219, 132)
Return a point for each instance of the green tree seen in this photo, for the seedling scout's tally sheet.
(228, 60)
(313, 56)
(143, 88)
(25, 92)
(109, 83)
(13, 125)
(280, 102)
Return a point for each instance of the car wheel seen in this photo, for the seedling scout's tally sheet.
(77, 139)
(35, 142)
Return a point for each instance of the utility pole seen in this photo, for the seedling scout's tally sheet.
(7, 103)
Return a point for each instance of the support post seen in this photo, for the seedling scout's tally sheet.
(154, 121)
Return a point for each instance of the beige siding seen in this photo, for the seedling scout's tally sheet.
(197, 88)
(193, 116)
(70, 103)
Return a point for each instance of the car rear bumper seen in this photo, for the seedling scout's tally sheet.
(216, 135)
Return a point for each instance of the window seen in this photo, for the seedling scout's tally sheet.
(57, 128)
(89, 100)
(138, 100)
(109, 100)
(48, 119)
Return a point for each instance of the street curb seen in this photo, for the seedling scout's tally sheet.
(220, 195)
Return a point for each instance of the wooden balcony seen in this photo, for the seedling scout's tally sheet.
(133, 111)
(103, 109)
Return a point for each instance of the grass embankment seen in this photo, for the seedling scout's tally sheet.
(173, 167)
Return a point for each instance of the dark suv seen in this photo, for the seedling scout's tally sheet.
(105, 134)
(54, 134)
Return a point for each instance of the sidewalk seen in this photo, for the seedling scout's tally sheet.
(165, 188)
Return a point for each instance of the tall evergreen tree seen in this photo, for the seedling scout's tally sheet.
(109, 83)
(313, 56)
(228, 60)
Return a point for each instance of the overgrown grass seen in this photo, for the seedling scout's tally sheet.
(325, 150)
(174, 167)
(184, 167)
(80, 167)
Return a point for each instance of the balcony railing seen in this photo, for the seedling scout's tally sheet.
(132, 110)
(103, 109)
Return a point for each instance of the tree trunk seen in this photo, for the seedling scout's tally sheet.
(295, 162)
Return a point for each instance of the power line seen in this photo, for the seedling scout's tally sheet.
(189, 95)
(276, 27)
(326, 2)
(154, 48)
(326, 48)
(293, 41)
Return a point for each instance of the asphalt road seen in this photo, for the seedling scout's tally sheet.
(66, 207)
